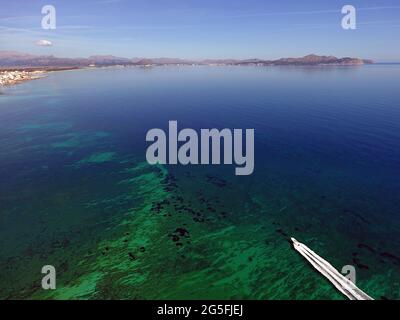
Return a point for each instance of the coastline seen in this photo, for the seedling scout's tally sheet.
(12, 76)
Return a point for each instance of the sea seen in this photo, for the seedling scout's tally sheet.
(77, 193)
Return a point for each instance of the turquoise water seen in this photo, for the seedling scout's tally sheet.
(76, 191)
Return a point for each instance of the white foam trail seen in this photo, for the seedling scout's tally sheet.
(344, 285)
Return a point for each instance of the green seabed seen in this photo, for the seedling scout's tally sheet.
(170, 246)
(183, 235)
(168, 233)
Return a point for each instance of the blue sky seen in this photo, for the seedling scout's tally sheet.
(203, 28)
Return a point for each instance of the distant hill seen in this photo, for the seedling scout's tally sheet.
(313, 59)
(106, 60)
(17, 59)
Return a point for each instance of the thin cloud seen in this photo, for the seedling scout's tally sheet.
(44, 43)
(74, 27)
(5, 29)
(284, 13)
(107, 1)
(20, 18)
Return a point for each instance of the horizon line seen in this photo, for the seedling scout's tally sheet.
(183, 58)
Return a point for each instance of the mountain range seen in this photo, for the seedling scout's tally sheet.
(17, 59)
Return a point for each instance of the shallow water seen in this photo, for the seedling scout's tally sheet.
(76, 191)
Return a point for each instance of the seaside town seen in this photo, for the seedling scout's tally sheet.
(14, 77)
